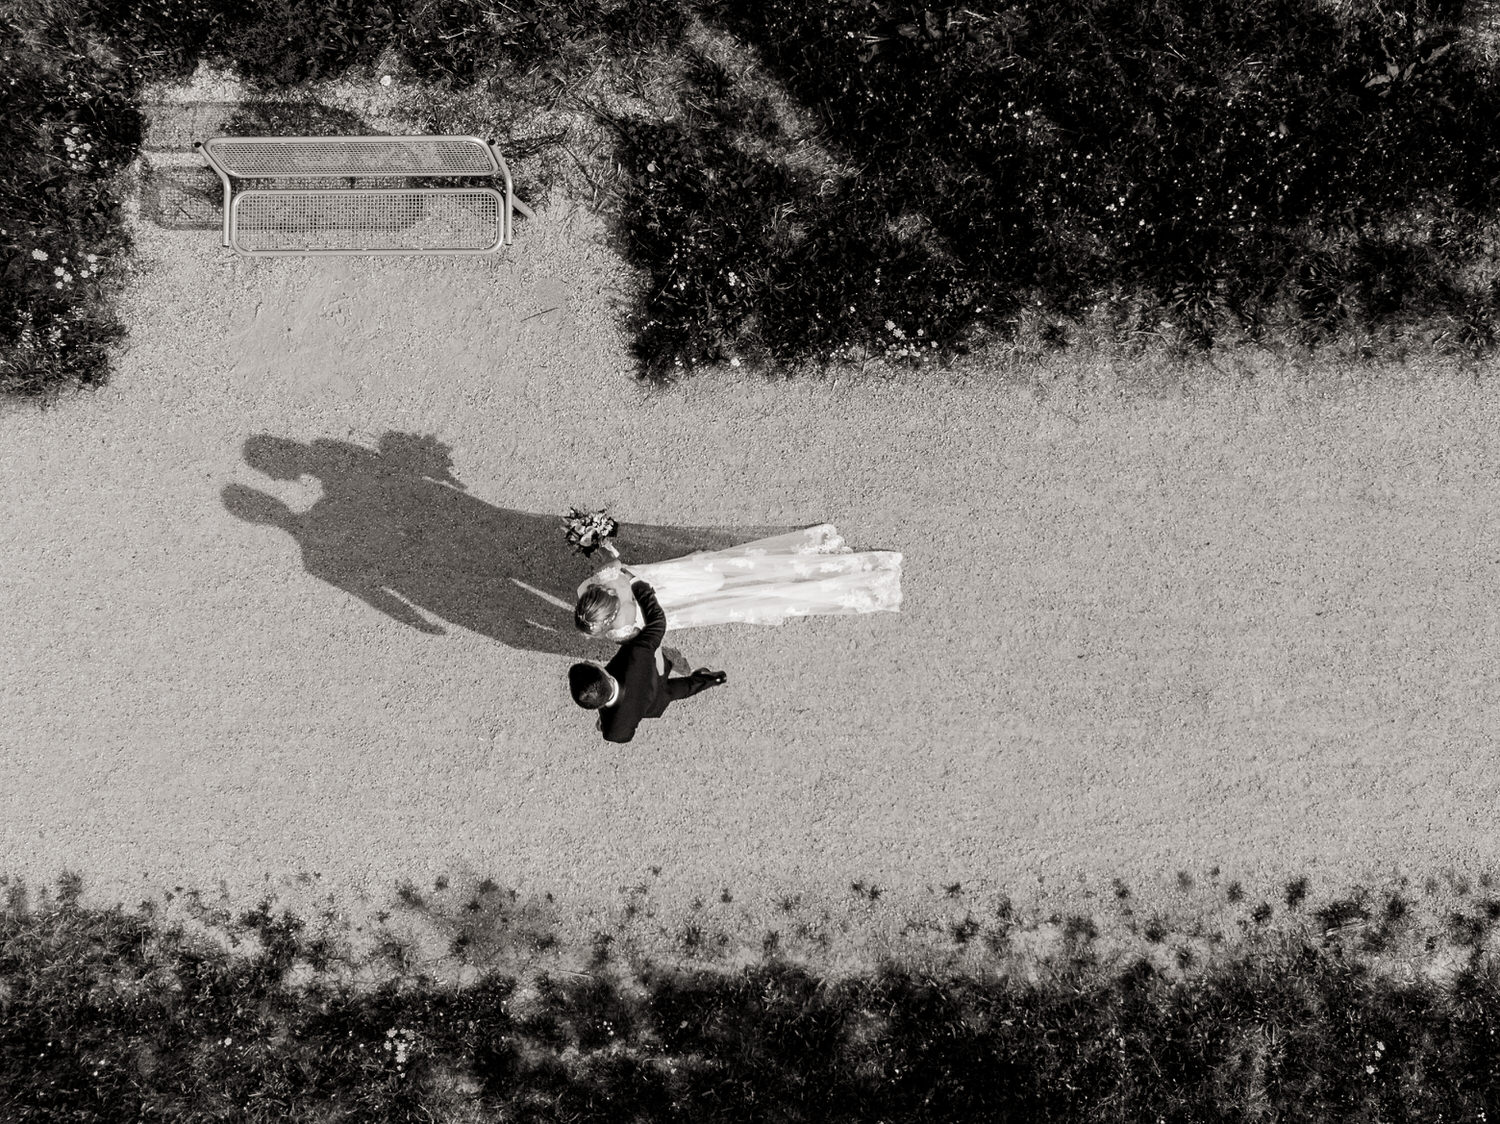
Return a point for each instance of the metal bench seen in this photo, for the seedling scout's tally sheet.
(339, 218)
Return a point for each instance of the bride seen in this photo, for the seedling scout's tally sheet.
(804, 573)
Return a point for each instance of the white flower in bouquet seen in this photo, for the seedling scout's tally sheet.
(587, 531)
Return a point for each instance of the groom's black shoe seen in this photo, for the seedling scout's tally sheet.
(710, 678)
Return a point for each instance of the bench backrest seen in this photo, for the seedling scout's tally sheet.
(291, 157)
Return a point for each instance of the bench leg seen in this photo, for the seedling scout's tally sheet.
(224, 178)
(505, 231)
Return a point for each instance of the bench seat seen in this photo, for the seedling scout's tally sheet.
(272, 206)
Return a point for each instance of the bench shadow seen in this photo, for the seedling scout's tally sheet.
(397, 530)
(173, 126)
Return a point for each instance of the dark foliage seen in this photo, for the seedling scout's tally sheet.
(1206, 171)
(112, 1015)
(1296, 892)
(1228, 166)
(56, 205)
(275, 43)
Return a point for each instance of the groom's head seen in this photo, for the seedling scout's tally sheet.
(591, 685)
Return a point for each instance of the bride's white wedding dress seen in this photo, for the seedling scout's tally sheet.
(804, 573)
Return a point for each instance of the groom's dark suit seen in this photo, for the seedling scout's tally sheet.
(644, 691)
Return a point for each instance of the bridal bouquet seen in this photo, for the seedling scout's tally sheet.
(587, 530)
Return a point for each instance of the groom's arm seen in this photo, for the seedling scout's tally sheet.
(616, 727)
(654, 631)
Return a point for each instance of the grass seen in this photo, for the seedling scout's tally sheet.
(112, 1015)
(1096, 170)
(811, 184)
(68, 125)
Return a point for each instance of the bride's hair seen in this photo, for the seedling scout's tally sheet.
(589, 685)
(596, 610)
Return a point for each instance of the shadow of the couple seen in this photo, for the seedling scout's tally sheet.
(394, 528)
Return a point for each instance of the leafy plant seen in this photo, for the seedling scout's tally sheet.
(276, 43)
(894, 181)
(115, 1015)
(69, 124)
(1236, 165)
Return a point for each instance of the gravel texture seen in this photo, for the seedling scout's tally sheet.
(1243, 617)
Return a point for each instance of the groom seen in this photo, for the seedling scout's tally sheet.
(635, 683)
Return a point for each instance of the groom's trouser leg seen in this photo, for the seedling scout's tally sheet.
(681, 686)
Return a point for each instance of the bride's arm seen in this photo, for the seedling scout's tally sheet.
(615, 564)
(612, 575)
(616, 577)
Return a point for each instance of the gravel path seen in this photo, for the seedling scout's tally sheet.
(1240, 623)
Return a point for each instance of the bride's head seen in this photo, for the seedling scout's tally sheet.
(596, 611)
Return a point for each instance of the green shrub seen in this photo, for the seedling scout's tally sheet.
(277, 43)
(1209, 170)
(68, 124)
(161, 39)
(456, 39)
(1229, 166)
(112, 1015)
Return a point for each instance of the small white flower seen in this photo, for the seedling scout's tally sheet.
(1368, 1068)
(40, 255)
(734, 362)
(91, 257)
(57, 270)
(385, 80)
(889, 325)
(75, 130)
(227, 1041)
